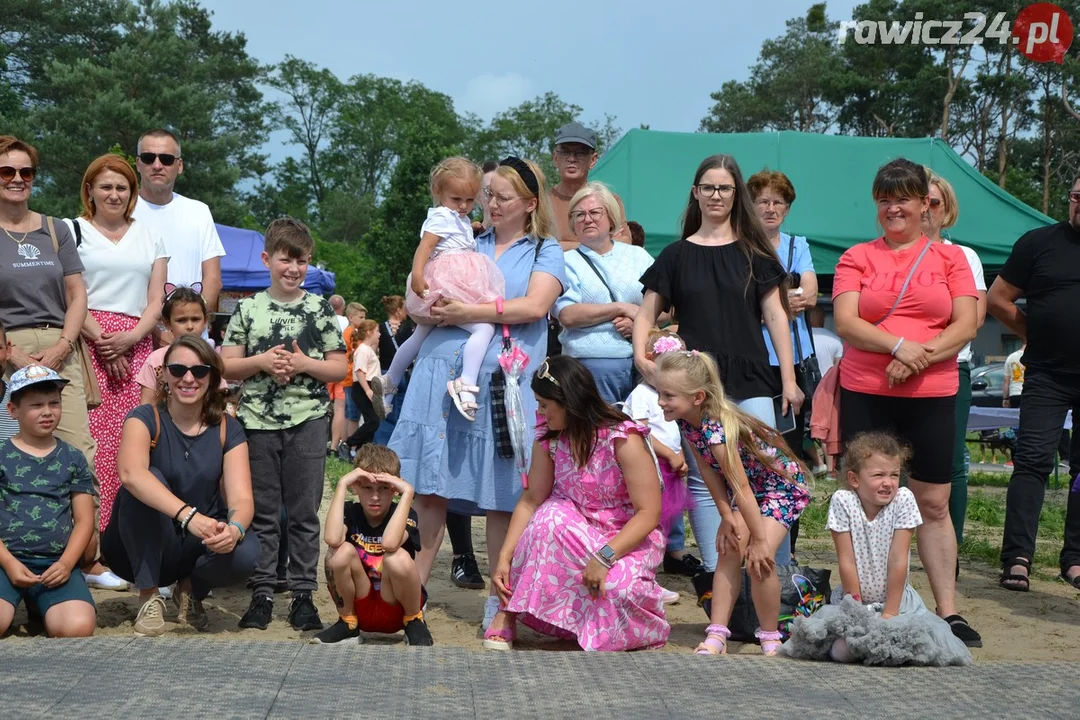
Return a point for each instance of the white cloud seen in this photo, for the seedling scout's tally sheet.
(488, 94)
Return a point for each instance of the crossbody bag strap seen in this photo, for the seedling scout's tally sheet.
(391, 334)
(907, 281)
(51, 224)
(157, 428)
(806, 322)
(597, 271)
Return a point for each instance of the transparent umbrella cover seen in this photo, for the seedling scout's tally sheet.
(513, 360)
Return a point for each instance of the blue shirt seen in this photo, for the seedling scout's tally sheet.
(622, 266)
(800, 263)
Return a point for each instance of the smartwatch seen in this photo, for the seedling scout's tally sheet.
(607, 554)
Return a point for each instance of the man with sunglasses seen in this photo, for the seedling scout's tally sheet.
(1044, 268)
(575, 155)
(186, 225)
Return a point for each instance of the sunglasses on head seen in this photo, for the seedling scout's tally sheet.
(544, 373)
(147, 158)
(8, 173)
(197, 371)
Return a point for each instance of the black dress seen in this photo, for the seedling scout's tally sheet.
(718, 308)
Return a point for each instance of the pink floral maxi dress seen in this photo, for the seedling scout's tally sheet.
(587, 508)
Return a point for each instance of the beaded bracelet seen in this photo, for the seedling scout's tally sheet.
(184, 524)
(176, 517)
(239, 527)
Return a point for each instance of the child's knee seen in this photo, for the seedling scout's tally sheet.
(71, 619)
(7, 614)
(399, 563)
(343, 558)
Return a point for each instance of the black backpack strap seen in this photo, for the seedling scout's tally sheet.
(78, 232)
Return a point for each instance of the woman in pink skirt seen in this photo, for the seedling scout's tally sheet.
(125, 274)
(580, 555)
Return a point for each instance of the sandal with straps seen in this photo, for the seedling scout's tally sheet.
(1014, 581)
(770, 641)
(502, 639)
(467, 408)
(715, 643)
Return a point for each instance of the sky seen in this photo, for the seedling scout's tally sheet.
(644, 63)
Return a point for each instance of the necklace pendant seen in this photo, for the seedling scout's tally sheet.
(186, 453)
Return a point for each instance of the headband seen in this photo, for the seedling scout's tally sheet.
(527, 175)
(170, 288)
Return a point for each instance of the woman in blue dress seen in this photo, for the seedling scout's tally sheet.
(444, 456)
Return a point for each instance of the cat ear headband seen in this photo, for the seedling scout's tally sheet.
(170, 288)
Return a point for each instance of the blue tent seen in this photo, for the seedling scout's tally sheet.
(242, 267)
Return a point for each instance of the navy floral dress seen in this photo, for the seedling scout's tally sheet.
(779, 498)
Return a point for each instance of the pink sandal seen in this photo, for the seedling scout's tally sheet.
(716, 637)
(501, 639)
(770, 640)
(467, 408)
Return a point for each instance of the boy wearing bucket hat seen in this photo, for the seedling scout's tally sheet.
(46, 511)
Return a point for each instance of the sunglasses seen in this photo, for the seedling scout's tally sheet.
(197, 371)
(8, 173)
(1074, 196)
(544, 373)
(147, 158)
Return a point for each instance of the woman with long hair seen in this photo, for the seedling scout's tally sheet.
(184, 512)
(580, 554)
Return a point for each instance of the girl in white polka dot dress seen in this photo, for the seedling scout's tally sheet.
(876, 618)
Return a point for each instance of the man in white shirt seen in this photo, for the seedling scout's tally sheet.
(186, 225)
(827, 346)
(337, 304)
(1014, 379)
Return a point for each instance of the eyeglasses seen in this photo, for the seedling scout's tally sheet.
(766, 204)
(501, 199)
(1074, 196)
(544, 373)
(575, 154)
(197, 371)
(596, 214)
(167, 159)
(707, 191)
(8, 173)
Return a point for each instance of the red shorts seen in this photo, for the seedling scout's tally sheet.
(337, 390)
(375, 615)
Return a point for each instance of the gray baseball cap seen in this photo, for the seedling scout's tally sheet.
(575, 132)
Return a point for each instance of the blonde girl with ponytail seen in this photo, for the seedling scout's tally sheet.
(758, 486)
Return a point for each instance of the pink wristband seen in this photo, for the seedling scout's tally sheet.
(499, 305)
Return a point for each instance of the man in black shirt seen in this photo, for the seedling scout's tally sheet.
(1044, 268)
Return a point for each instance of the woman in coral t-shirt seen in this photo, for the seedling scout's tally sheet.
(899, 374)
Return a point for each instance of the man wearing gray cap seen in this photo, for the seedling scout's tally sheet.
(575, 155)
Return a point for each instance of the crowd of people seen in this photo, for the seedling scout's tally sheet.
(658, 386)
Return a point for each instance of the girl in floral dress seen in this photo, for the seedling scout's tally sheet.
(757, 470)
(580, 555)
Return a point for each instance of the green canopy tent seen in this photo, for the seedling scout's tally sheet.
(832, 174)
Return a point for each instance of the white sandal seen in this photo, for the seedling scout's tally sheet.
(467, 408)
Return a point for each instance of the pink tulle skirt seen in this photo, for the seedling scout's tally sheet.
(676, 498)
(469, 277)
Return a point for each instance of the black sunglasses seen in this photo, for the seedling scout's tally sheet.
(166, 159)
(1074, 196)
(197, 371)
(8, 173)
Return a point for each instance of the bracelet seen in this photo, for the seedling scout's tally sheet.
(239, 527)
(498, 306)
(176, 517)
(897, 346)
(602, 561)
(70, 342)
(184, 524)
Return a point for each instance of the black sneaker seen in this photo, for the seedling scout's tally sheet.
(343, 453)
(687, 565)
(965, 632)
(302, 613)
(336, 633)
(417, 633)
(465, 573)
(259, 613)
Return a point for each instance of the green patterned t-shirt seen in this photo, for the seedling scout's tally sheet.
(35, 499)
(261, 323)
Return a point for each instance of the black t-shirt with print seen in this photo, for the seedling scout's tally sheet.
(1045, 265)
(368, 538)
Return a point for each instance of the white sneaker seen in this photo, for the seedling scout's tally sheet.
(491, 609)
(107, 581)
(669, 597)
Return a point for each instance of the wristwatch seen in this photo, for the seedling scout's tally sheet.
(607, 554)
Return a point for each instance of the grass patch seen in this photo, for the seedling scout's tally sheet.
(986, 509)
(981, 478)
(335, 470)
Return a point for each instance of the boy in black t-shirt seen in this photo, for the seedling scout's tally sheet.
(370, 570)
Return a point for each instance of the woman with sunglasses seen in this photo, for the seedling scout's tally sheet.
(185, 509)
(125, 267)
(42, 295)
(580, 554)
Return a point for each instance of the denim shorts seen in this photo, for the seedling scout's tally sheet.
(352, 410)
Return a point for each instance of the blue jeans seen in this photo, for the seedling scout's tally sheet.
(613, 377)
(386, 427)
(705, 518)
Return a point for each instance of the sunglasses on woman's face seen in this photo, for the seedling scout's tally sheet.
(544, 373)
(197, 371)
(8, 173)
(166, 159)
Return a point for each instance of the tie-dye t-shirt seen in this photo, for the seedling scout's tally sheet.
(261, 323)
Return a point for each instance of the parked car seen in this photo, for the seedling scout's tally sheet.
(986, 383)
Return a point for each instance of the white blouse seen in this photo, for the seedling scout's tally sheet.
(117, 275)
(454, 231)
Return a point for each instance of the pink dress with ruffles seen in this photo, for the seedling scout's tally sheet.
(587, 508)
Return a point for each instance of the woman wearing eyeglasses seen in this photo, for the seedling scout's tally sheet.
(42, 295)
(124, 270)
(184, 512)
(602, 293)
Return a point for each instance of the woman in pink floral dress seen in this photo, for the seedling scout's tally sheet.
(580, 555)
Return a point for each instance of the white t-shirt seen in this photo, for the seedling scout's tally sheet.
(1014, 373)
(117, 275)
(872, 540)
(828, 348)
(454, 231)
(188, 230)
(965, 354)
(343, 322)
(642, 405)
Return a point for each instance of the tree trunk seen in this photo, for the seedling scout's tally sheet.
(1048, 114)
(1003, 138)
(954, 83)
